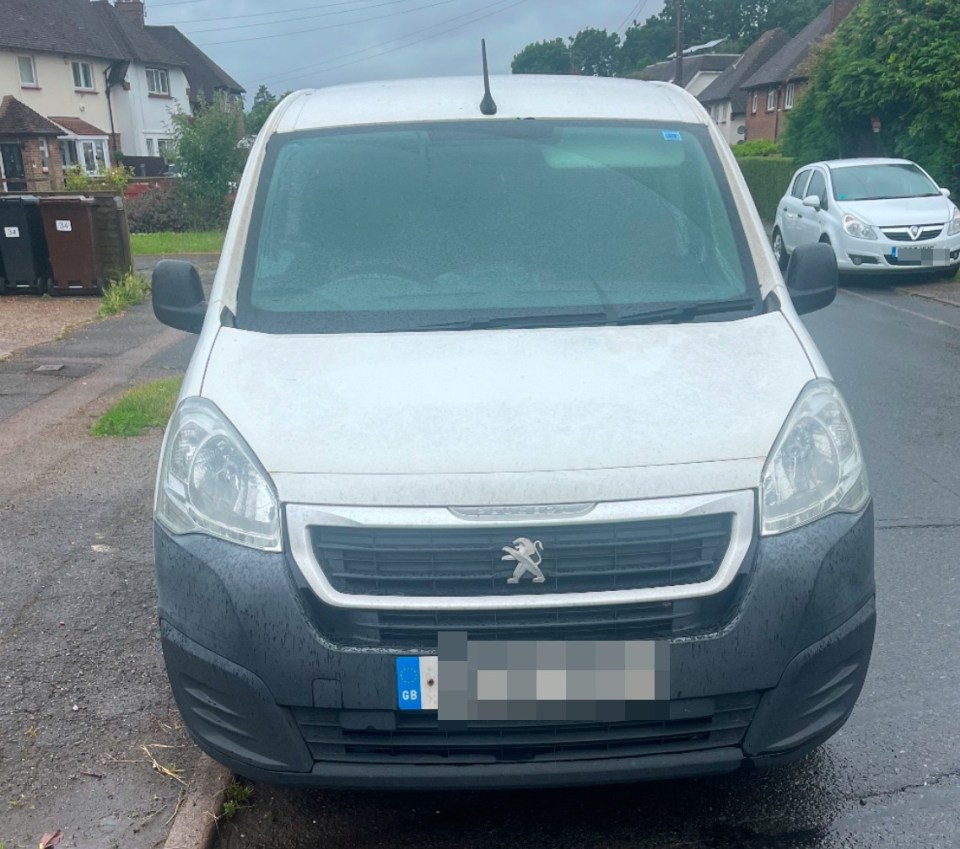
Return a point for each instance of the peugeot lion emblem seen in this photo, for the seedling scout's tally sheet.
(528, 557)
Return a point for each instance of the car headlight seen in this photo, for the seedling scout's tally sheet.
(816, 465)
(856, 228)
(954, 226)
(210, 481)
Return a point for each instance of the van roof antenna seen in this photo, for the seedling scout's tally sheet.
(488, 106)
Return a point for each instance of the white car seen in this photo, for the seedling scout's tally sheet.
(503, 458)
(878, 215)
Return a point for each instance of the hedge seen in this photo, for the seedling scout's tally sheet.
(768, 178)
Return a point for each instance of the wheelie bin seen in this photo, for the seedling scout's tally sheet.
(24, 259)
(75, 260)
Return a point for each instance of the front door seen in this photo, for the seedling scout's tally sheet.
(14, 176)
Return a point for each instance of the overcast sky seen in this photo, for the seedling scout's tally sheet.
(301, 44)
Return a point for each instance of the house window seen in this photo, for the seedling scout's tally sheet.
(89, 154)
(789, 96)
(149, 147)
(83, 75)
(28, 71)
(44, 155)
(165, 148)
(158, 82)
(756, 103)
(772, 99)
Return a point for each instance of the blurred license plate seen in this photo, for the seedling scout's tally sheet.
(922, 256)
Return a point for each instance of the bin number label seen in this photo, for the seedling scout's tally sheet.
(11, 232)
(65, 226)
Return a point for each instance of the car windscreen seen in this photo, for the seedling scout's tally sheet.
(882, 182)
(492, 224)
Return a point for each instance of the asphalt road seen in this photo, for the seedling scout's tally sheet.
(891, 777)
(78, 630)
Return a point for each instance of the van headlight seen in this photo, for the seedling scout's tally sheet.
(210, 482)
(816, 465)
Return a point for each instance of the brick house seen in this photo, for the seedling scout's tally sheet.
(724, 98)
(774, 88)
(29, 153)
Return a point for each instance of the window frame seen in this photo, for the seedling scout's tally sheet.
(34, 83)
(790, 95)
(80, 78)
(773, 96)
(802, 179)
(756, 102)
(158, 82)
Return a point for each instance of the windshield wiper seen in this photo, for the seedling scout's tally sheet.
(519, 322)
(677, 313)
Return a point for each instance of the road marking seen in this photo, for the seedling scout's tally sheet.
(902, 309)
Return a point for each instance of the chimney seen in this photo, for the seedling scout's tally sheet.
(839, 10)
(132, 10)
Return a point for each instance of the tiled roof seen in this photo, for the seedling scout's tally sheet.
(728, 85)
(204, 76)
(77, 126)
(135, 42)
(692, 65)
(790, 63)
(71, 27)
(18, 119)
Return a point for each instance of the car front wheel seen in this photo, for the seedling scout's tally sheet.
(779, 250)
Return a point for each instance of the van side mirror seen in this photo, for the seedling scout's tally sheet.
(812, 277)
(813, 201)
(177, 293)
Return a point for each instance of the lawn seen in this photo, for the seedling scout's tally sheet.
(176, 243)
(145, 406)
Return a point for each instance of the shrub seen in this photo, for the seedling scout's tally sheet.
(757, 147)
(768, 178)
(76, 180)
(116, 178)
(159, 210)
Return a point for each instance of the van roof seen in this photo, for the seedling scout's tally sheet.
(458, 99)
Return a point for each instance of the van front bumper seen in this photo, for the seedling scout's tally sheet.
(262, 690)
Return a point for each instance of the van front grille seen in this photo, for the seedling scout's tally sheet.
(452, 562)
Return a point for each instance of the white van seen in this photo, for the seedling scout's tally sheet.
(503, 458)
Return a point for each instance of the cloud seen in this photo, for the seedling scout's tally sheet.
(338, 41)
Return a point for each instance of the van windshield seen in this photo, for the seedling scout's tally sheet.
(493, 224)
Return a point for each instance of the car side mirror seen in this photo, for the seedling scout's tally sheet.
(945, 192)
(813, 202)
(812, 277)
(177, 293)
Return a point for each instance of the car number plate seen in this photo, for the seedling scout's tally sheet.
(922, 256)
(529, 679)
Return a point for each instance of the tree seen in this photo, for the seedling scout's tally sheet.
(263, 104)
(894, 60)
(210, 159)
(596, 52)
(543, 57)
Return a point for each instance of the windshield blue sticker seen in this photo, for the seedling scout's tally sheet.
(417, 683)
(672, 135)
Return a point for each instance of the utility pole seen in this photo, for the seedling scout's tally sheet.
(678, 79)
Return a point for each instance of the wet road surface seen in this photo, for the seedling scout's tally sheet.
(891, 777)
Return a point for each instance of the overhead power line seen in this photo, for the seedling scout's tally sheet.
(329, 26)
(301, 18)
(324, 67)
(632, 16)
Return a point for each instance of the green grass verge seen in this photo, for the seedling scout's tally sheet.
(145, 406)
(132, 289)
(176, 243)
